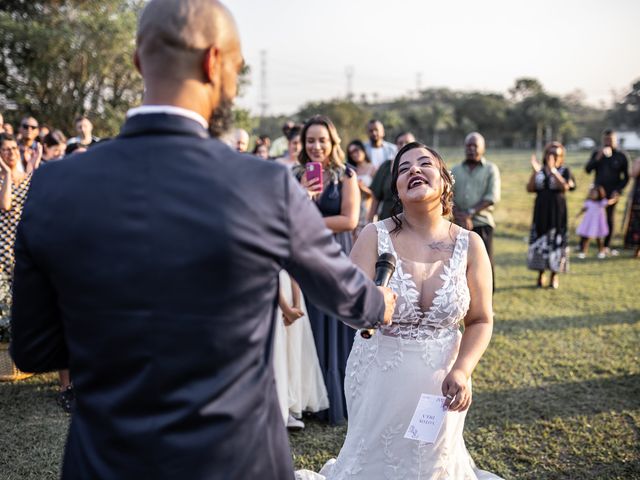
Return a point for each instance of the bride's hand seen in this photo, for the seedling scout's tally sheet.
(455, 388)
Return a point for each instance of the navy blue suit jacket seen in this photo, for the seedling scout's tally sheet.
(149, 266)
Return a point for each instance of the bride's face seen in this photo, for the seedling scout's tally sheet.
(419, 178)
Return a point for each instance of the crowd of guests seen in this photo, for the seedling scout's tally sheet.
(354, 190)
(20, 155)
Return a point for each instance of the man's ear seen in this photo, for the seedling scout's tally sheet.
(211, 65)
(136, 61)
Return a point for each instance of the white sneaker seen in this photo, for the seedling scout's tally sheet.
(294, 424)
(601, 255)
(614, 253)
(581, 255)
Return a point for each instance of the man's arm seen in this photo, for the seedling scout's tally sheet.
(324, 273)
(624, 173)
(593, 161)
(37, 334)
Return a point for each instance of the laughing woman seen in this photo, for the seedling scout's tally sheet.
(443, 280)
(338, 199)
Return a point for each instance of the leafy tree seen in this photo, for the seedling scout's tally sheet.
(59, 59)
(626, 113)
(349, 118)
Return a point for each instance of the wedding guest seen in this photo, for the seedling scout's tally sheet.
(84, 130)
(338, 199)
(382, 202)
(548, 244)
(632, 231)
(476, 191)
(261, 151)
(594, 223)
(443, 280)
(241, 140)
(377, 148)
(611, 167)
(279, 146)
(294, 147)
(28, 142)
(54, 145)
(365, 170)
(299, 379)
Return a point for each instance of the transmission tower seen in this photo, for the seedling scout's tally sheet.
(349, 74)
(264, 102)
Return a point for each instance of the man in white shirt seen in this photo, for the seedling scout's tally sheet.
(377, 148)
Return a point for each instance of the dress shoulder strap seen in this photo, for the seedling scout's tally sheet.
(461, 248)
(384, 239)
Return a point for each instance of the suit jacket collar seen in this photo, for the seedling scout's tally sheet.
(162, 124)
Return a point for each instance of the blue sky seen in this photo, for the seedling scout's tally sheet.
(394, 46)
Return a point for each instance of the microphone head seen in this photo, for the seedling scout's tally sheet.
(386, 260)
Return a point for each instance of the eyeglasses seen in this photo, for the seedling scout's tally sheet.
(27, 126)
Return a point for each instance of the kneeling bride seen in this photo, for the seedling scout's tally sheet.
(442, 278)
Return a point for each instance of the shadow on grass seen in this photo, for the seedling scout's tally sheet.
(627, 317)
(563, 400)
(611, 471)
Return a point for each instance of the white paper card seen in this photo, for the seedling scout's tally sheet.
(427, 419)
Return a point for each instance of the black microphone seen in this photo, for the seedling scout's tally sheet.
(385, 266)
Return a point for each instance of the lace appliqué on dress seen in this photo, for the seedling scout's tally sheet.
(449, 306)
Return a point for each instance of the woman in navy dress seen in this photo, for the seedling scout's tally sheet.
(338, 199)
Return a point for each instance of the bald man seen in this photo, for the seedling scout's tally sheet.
(475, 192)
(159, 287)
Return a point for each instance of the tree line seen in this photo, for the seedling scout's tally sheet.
(63, 58)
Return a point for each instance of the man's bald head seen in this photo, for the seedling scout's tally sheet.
(174, 35)
(474, 147)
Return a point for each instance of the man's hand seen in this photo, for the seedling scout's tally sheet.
(390, 298)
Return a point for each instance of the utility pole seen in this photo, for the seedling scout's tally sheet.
(264, 102)
(349, 74)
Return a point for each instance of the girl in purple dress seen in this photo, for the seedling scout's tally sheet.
(594, 223)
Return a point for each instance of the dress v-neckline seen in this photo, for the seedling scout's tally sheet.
(447, 269)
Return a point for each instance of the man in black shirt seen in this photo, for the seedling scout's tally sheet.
(612, 173)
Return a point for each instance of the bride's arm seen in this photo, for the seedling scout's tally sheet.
(478, 325)
(364, 253)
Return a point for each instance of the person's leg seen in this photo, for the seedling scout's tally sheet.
(554, 281)
(584, 244)
(486, 233)
(66, 395)
(610, 211)
(540, 278)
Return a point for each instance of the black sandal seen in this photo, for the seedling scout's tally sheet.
(66, 399)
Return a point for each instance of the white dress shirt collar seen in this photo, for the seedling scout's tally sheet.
(171, 110)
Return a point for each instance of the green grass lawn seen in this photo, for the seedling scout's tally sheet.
(556, 396)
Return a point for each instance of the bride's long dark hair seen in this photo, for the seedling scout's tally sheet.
(447, 193)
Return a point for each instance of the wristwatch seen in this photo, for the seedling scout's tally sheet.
(471, 211)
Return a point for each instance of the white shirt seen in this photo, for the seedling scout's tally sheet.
(377, 156)
(171, 110)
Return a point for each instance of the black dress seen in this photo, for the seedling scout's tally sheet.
(333, 338)
(632, 235)
(548, 245)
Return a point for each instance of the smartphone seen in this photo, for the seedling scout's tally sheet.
(314, 170)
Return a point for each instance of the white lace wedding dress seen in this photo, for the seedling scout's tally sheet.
(387, 374)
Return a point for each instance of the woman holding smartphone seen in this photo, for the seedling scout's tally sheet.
(333, 186)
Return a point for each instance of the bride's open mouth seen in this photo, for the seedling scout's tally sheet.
(416, 181)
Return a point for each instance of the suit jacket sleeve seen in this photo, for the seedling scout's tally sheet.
(324, 272)
(37, 336)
